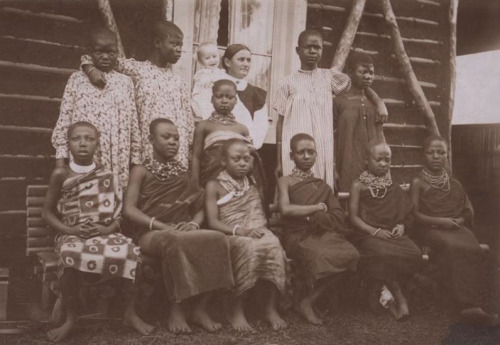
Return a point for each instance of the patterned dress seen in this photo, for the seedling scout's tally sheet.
(112, 110)
(304, 99)
(159, 94)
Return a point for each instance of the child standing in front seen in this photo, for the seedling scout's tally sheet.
(111, 109)
(380, 212)
(355, 121)
(234, 207)
(445, 214)
(83, 205)
(210, 135)
(303, 102)
(203, 80)
(313, 228)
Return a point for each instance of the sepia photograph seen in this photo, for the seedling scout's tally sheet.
(240, 172)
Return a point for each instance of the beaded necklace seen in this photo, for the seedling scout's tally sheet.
(220, 119)
(233, 186)
(377, 185)
(82, 169)
(301, 174)
(441, 182)
(164, 171)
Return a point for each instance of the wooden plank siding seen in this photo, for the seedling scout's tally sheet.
(424, 28)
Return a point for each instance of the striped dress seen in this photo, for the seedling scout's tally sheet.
(304, 99)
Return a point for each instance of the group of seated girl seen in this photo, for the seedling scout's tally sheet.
(219, 240)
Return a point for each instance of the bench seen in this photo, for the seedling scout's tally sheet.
(40, 243)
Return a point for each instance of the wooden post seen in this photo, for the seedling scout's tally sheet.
(452, 71)
(167, 9)
(348, 35)
(407, 69)
(109, 19)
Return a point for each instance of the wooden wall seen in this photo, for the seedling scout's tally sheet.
(424, 27)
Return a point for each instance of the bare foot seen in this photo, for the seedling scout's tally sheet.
(134, 321)
(238, 321)
(404, 310)
(393, 309)
(177, 323)
(60, 333)
(201, 318)
(476, 317)
(306, 309)
(58, 315)
(275, 319)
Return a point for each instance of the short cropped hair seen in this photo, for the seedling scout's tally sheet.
(307, 33)
(99, 31)
(372, 143)
(230, 143)
(299, 137)
(153, 124)
(428, 140)
(77, 124)
(356, 59)
(219, 83)
(163, 29)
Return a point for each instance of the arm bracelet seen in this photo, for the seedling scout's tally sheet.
(236, 227)
(151, 223)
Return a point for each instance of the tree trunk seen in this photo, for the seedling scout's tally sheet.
(109, 19)
(405, 66)
(344, 46)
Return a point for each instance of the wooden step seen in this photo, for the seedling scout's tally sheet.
(403, 174)
(398, 90)
(425, 9)
(27, 24)
(406, 155)
(12, 226)
(28, 110)
(11, 194)
(26, 166)
(406, 136)
(32, 82)
(26, 141)
(39, 52)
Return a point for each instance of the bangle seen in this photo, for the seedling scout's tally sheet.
(323, 206)
(376, 232)
(236, 227)
(196, 225)
(151, 223)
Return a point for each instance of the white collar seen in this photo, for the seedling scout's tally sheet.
(82, 169)
(241, 84)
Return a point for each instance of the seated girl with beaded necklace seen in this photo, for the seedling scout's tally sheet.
(445, 214)
(380, 211)
(234, 207)
(210, 134)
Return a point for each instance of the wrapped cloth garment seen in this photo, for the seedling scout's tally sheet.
(386, 259)
(94, 198)
(252, 259)
(317, 243)
(192, 262)
(455, 251)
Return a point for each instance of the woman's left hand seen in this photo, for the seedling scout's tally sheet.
(183, 226)
(398, 231)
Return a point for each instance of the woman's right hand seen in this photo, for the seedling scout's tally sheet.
(385, 234)
(448, 223)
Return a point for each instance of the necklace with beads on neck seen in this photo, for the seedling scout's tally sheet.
(220, 119)
(233, 186)
(82, 169)
(377, 185)
(302, 174)
(163, 171)
(441, 182)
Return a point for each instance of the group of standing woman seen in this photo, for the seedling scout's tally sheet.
(191, 173)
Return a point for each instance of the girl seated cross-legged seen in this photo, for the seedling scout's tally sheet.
(234, 207)
(83, 205)
(380, 212)
(444, 215)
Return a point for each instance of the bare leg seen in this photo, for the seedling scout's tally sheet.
(400, 309)
(271, 313)
(236, 316)
(130, 317)
(177, 323)
(58, 314)
(69, 290)
(477, 317)
(201, 316)
(306, 304)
